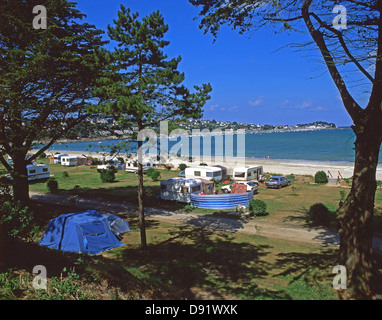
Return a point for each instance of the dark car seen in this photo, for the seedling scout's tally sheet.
(277, 182)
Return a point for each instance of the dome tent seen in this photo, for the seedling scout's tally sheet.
(87, 232)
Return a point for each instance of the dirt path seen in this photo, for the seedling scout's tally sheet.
(259, 227)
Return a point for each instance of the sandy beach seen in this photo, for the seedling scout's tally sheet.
(284, 167)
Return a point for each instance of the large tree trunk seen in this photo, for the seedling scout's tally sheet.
(20, 179)
(356, 214)
(141, 210)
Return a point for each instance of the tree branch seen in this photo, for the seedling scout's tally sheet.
(350, 104)
(344, 46)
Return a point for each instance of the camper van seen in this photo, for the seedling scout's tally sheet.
(39, 171)
(69, 161)
(179, 189)
(132, 166)
(247, 174)
(204, 172)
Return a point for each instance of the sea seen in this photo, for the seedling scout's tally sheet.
(335, 145)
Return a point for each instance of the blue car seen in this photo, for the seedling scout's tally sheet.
(182, 174)
(277, 182)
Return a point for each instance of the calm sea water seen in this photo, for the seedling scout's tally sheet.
(323, 145)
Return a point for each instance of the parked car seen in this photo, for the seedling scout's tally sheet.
(250, 186)
(182, 174)
(277, 182)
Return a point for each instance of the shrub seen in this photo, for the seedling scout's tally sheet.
(15, 220)
(319, 215)
(65, 174)
(188, 208)
(108, 175)
(153, 174)
(52, 185)
(42, 155)
(320, 177)
(182, 166)
(257, 207)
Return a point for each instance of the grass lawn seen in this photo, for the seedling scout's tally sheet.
(182, 261)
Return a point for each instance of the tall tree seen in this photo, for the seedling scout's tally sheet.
(352, 42)
(47, 75)
(146, 87)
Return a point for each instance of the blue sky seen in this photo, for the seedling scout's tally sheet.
(252, 80)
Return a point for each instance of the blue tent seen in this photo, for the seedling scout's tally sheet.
(87, 232)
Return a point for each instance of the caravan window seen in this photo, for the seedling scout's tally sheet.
(197, 173)
(32, 171)
(163, 187)
(209, 174)
(240, 174)
(216, 173)
(184, 189)
(195, 189)
(249, 173)
(44, 169)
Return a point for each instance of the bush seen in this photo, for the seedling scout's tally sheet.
(42, 155)
(52, 185)
(320, 177)
(319, 215)
(182, 166)
(108, 175)
(15, 220)
(257, 207)
(65, 174)
(153, 174)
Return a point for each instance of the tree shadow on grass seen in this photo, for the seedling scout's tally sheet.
(310, 272)
(195, 259)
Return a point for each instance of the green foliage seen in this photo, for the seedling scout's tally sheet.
(188, 208)
(319, 215)
(15, 219)
(108, 175)
(153, 173)
(5, 189)
(182, 166)
(52, 185)
(257, 207)
(320, 177)
(46, 75)
(65, 174)
(67, 286)
(42, 155)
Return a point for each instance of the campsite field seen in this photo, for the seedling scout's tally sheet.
(287, 204)
(183, 261)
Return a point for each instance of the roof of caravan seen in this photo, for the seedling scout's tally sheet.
(246, 168)
(205, 167)
(178, 179)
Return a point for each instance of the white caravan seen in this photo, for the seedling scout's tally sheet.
(179, 189)
(204, 172)
(37, 172)
(57, 157)
(69, 161)
(247, 174)
(132, 166)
